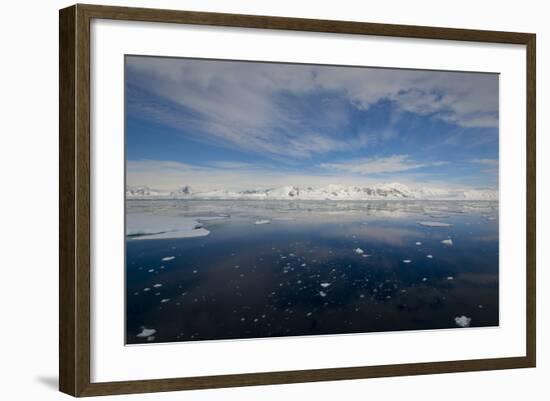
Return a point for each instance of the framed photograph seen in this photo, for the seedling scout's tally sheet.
(250, 200)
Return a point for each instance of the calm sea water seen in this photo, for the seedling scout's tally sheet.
(302, 274)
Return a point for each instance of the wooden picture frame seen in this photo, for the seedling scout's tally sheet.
(74, 199)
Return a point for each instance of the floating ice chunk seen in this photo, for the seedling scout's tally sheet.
(418, 243)
(434, 224)
(325, 285)
(424, 279)
(168, 258)
(146, 289)
(447, 242)
(258, 222)
(303, 264)
(146, 226)
(359, 251)
(450, 278)
(308, 314)
(365, 255)
(146, 332)
(429, 256)
(463, 321)
(164, 300)
(407, 261)
(151, 270)
(322, 294)
(157, 285)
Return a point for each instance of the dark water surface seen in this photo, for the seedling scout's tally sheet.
(301, 274)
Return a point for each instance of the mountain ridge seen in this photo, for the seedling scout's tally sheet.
(386, 191)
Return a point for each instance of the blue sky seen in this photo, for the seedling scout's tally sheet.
(230, 124)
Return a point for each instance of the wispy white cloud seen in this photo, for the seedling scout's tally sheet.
(486, 162)
(379, 165)
(259, 107)
(171, 175)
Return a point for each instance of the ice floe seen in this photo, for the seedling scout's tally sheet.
(407, 261)
(429, 256)
(168, 258)
(325, 285)
(359, 251)
(418, 243)
(164, 300)
(146, 332)
(141, 226)
(258, 222)
(463, 321)
(447, 241)
(322, 294)
(434, 224)
(157, 285)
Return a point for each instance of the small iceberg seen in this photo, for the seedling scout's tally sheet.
(429, 256)
(325, 285)
(463, 321)
(433, 224)
(450, 278)
(359, 251)
(168, 258)
(164, 300)
(147, 226)
(447, 242)
(157, 285)
(418, 243)
(146, 333)
(407, 261)
(322, 294)
(258, 222)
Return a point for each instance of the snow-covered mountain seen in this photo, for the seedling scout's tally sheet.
(143, 192)
(389, 191)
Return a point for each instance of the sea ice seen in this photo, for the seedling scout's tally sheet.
(157, 285)
(407, 261)
(359, 251)
(433, 224)
(325, 285)
(164, 300)
(258, 222)
(142, 225)
(322, 294)
(146, 333)
(447, 242)
(418, 243)
(429, 256)
(168, 258)
(463, 321)
(450, 278)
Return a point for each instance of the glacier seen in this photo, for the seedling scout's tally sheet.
(385, 191)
